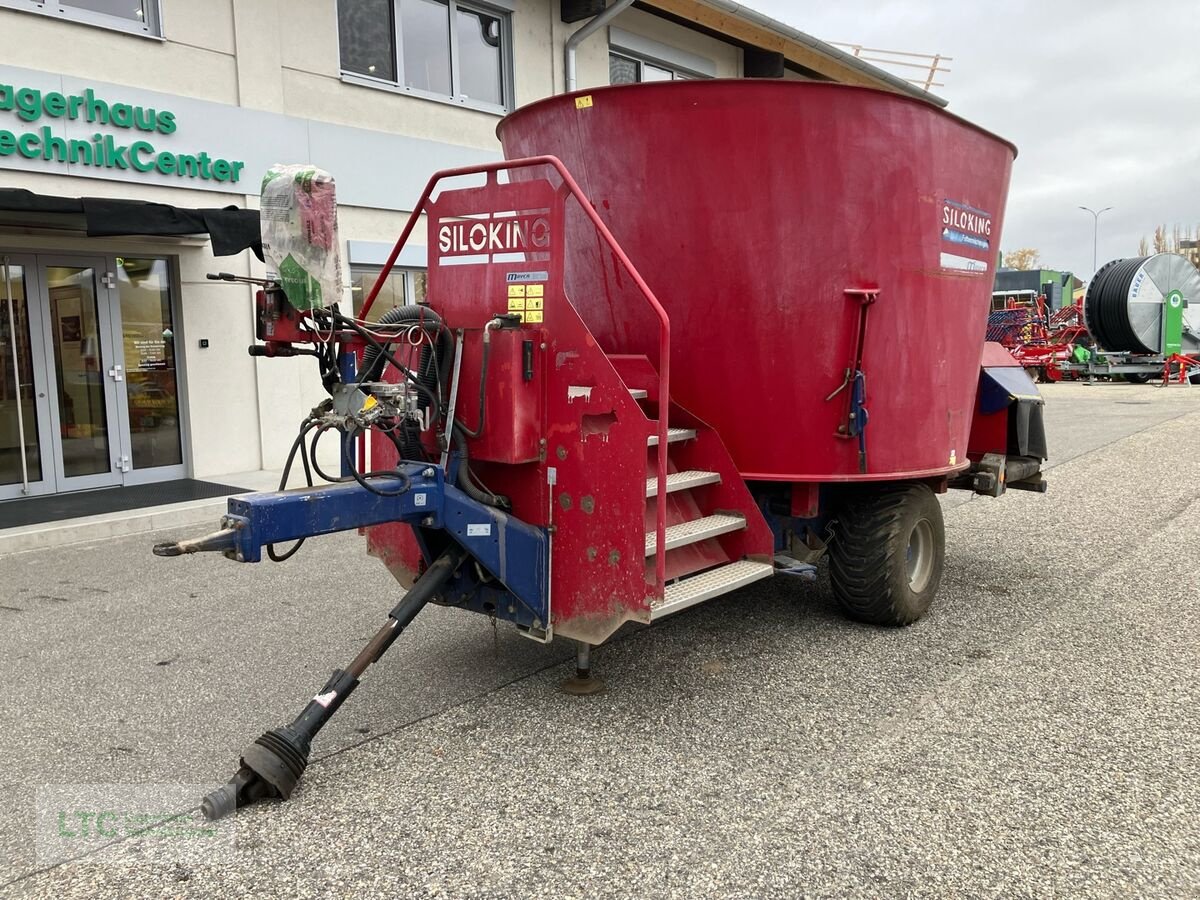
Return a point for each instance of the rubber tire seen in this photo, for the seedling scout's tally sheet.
(868, 558)
(1138, 377)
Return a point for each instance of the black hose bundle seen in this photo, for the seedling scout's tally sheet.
(428, 368)
(1106, 307)
(429, 373)
(431, 370)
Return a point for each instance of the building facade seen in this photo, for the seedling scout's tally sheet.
(1059, 288)
(120, 362)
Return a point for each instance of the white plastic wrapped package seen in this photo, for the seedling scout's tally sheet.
(299, 234)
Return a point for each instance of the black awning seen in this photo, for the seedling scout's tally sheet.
(231, 229)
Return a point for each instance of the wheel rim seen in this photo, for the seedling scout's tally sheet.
(920, 556)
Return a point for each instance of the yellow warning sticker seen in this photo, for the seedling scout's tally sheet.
(537, 290)
(369, 403)
(516, 304)
(516, 290)
(534, 303)
(584, 102)
(534, 318)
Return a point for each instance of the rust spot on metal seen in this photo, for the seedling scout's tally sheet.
(564, 500)
(591, 554)
(598, 625)
(588, 504)
(561, 452)
(614, 558)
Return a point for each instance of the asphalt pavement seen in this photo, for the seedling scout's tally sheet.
(1037, 734)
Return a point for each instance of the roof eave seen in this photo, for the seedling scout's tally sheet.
(828, 50)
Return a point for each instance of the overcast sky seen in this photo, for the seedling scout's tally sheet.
(1102, 98)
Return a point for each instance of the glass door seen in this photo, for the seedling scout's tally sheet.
(78, 344)
(144, 338)
(25, 419)
(89, 387)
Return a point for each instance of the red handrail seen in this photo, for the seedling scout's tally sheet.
(664, 322)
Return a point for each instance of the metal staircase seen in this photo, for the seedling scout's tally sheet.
(716, 539)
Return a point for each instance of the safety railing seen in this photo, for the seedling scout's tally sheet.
(664, 322)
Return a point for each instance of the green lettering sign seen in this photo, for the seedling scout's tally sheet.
(30, 105)
(27, 145)
(140, 148)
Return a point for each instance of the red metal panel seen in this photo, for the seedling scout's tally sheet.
(989, 434)
(597, 446)
(750, 208)
(806, 501)
(512, 412)
(989, 431)
(995, 356)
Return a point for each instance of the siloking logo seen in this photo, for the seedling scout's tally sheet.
(962, 224)
(513, 234)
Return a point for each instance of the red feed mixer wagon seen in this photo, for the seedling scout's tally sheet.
(688, 336)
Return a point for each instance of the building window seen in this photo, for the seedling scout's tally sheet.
(624, 69)
(137, 16)
(633, 58)
(442, 49)
(403, 287)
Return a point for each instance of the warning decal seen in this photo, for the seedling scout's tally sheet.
(528, 302)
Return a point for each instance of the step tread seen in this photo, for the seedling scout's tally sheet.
(673, 435)
(682, 481)
(707, 585)
(695, 531)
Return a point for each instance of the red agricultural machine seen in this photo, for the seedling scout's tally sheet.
(1139, 321)
(667, 353)
(1043, 342)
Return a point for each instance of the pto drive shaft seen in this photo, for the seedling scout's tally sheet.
(218, 541)
(271, 766)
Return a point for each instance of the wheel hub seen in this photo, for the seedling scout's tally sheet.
(920, 556)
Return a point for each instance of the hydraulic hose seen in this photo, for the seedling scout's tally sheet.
(464, 477)
(297, 447)
(397, 474)
(427, 372)
(483, 374)
(429, 368)
(409, 447)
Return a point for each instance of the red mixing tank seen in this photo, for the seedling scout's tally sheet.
(797, 233)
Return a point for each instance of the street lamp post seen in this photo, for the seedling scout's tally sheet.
(1095, 233)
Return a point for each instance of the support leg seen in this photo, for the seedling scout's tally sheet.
(271, 766)
(584, 683)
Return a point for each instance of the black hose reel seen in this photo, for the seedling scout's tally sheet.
(1125, 307)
